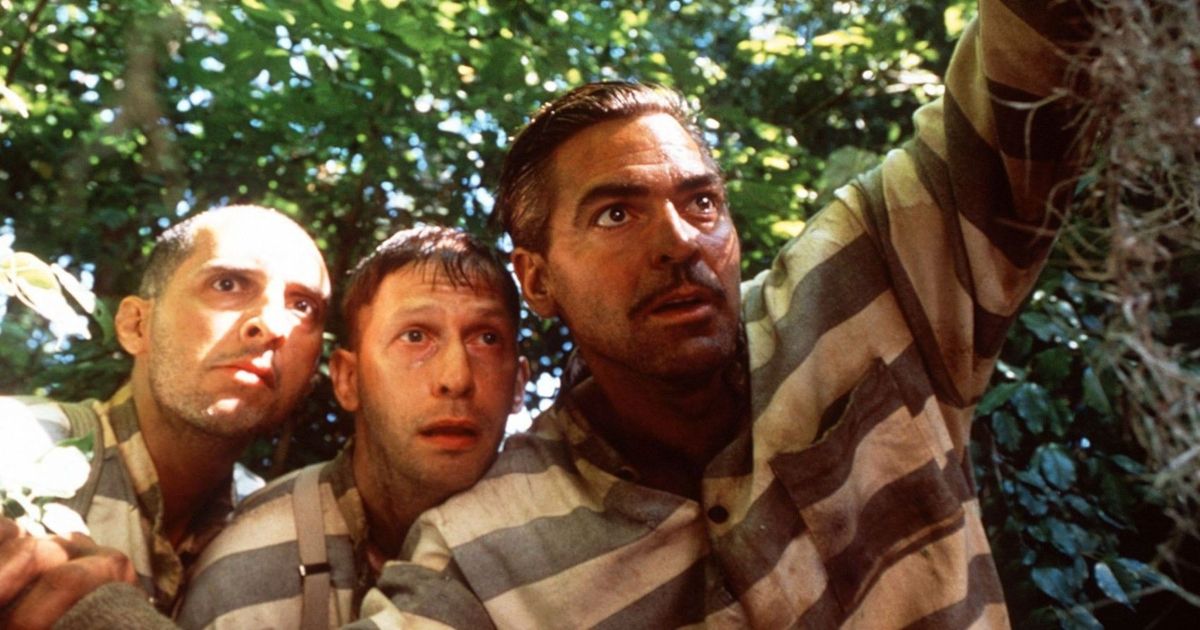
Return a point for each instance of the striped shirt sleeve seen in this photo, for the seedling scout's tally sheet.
(924, 263)
(954, 228)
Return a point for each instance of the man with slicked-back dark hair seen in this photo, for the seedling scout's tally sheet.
(790, 452)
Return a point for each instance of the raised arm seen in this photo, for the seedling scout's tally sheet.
(950, 231)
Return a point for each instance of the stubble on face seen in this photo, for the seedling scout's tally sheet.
(398, 385)
(216, 362)
(608, 285)
(176, 390)
(682, 355)
(407, 471)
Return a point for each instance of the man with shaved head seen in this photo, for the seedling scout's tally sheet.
(225, 334)
(429, 366)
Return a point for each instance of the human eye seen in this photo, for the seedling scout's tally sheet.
(490, 338)
(306, 306)
(705, 205)
(413, 335)
(612, 216)
(227, 283)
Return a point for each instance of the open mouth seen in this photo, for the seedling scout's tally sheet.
(451, 435)
(253, 375)
(679, 304)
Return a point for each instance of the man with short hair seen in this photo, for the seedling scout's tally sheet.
(225, 334)
(793, 454)
(430, 368)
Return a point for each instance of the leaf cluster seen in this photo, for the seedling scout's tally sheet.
(361, 117)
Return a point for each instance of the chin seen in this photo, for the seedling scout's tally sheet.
(237, 421)
(694, 361)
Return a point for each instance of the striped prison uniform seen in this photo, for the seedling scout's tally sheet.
(126, 510)
(848, 500)
(247, 577)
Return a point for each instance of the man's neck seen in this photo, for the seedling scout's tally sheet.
(389, 511)
(668, 430)
(191, 466)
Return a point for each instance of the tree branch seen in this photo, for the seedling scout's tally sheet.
(19, 53)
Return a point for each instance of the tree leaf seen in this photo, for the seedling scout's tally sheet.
(74, 288)
(1093, 392)
(1154, 577)
(1033, 405)
(1040, 325)
(13, 101)
(842, 38)
(84, 443)
(1083, 618)
(995, 397)
(1109, 584)
(63, 521)
(1054, 582)
(1055, 465)
(61, 472)
(1008, 434)
(1062, 537)
(1051, 366)
(1032, 503)
(27, 272)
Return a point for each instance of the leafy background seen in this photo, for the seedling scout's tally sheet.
(362, 117)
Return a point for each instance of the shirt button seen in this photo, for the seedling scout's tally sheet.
(718, 514)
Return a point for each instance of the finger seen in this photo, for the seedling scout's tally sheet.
(59, 588)
(17, 567)
(76, 545)
(122, 566)
(23, 559)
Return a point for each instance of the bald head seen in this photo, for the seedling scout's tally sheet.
(173, 246)
(227, 329)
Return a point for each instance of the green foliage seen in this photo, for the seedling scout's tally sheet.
(360, 117)
(1066, 501)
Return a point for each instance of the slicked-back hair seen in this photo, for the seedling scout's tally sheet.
(456, 257)
(526, 195)
(175, 244)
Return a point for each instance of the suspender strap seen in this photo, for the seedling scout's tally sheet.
(314, 564)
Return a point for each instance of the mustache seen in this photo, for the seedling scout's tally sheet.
(695, 274)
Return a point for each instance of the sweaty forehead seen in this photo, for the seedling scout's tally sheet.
(264, 244)
(437, 283)
(425, 288)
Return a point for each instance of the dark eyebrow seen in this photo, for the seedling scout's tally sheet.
(623, 189)
(606, 191)
(696, 182)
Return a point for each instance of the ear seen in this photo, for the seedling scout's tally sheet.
(343, 371)
(132, 323)
(523, 373)
(531, 270)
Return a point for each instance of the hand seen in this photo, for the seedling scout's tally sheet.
(41, 578)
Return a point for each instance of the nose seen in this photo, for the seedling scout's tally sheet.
(268, 327)
(453, 378)
(675, 237)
